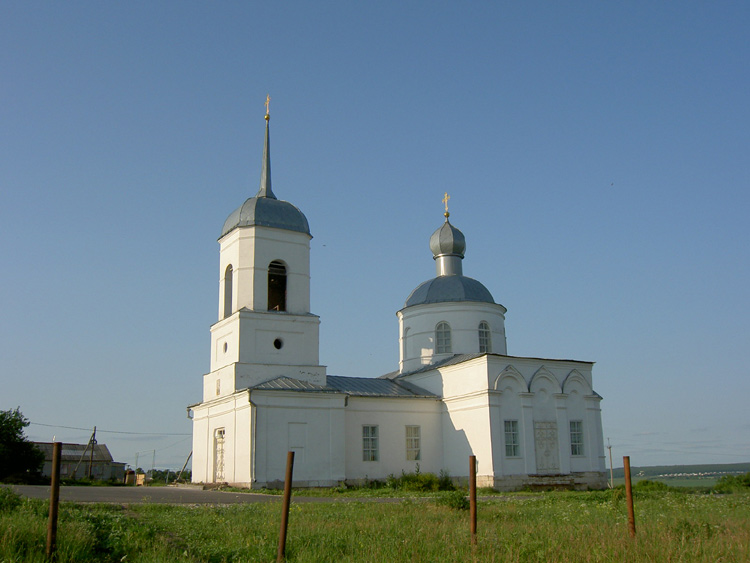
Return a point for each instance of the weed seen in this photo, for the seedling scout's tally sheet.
(9, 500)
(453, 499)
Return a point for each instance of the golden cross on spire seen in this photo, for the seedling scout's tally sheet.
(445, 201)
(268, 103)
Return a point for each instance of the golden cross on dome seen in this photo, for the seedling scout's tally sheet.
(268, 103)
(445, 201)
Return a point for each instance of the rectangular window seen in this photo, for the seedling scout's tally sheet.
(443, 338)
(369, 443)
(485, 338)
(512, 444)
(576, 437)
(413, 445)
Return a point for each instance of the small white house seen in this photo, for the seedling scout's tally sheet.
(529, 421)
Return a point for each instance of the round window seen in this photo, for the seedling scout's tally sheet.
(278, 343)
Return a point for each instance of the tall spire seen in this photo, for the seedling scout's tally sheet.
(265, 173)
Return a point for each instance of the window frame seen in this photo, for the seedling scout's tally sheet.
(512, 438)
(370, 442)
(485, 338)
(443, 338)
(413, 442)
(576, 438)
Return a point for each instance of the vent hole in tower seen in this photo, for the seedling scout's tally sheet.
(278, 343)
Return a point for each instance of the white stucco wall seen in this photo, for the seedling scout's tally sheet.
(249, 250)
(417, 330)
(233, 414)
(311, 425)
(480, 394)
(391, 416)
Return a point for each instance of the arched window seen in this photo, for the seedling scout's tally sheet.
(485, 338)
(443, 338)
(276, 286)
(228, 291)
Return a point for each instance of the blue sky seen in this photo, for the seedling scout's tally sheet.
(596, 155)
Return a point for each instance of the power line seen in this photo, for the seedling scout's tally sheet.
(114, 431)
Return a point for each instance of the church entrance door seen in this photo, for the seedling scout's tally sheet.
(219, 455)
(545, 440)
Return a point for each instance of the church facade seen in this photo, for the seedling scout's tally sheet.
(456, 393)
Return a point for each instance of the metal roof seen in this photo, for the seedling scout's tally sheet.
(265, 210)
(74, 452)
(447, 289)
(452, 360)
(284, 383)
(352, 386)
(374, 387)
(448, 240)
(460, 358)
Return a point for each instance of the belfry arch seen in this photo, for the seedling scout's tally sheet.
(277, 286)
(228, 274)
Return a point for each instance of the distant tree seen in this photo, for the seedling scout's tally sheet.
(20, 460)
(733, 483)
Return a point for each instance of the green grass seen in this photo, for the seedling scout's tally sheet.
(558, 526)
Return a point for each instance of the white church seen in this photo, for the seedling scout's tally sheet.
(457, 392)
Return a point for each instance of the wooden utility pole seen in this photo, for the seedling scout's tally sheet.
(93, 436)
(281, 552)
(91, 455)
(54, 501)
(629, 495)
(611, 471)
(184, 466)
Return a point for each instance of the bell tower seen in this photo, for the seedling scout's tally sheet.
(265, 329)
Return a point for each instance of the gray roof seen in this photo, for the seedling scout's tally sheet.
(284, 383)
(460, 358)
(265, 210)
(74, 452)
(449, 288)
(369, 387)
(452, 360)
(448, 240)
(353, 386)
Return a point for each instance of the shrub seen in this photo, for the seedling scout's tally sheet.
(421, 482)
(647, 485)
(9, 500)
(732, 483)
(453, 499)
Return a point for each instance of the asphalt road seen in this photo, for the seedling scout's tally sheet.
(165, 495)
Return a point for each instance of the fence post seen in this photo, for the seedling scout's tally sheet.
(473, 497)
(54, 501)
(629, 495)
(281, 553)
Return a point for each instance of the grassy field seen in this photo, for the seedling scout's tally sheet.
(559, 526)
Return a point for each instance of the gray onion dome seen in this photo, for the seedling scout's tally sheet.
(265, 210)
(448, 240)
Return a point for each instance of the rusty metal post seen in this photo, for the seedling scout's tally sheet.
(473, 497)
(629, 495)
(54, 500)
(281, 553)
